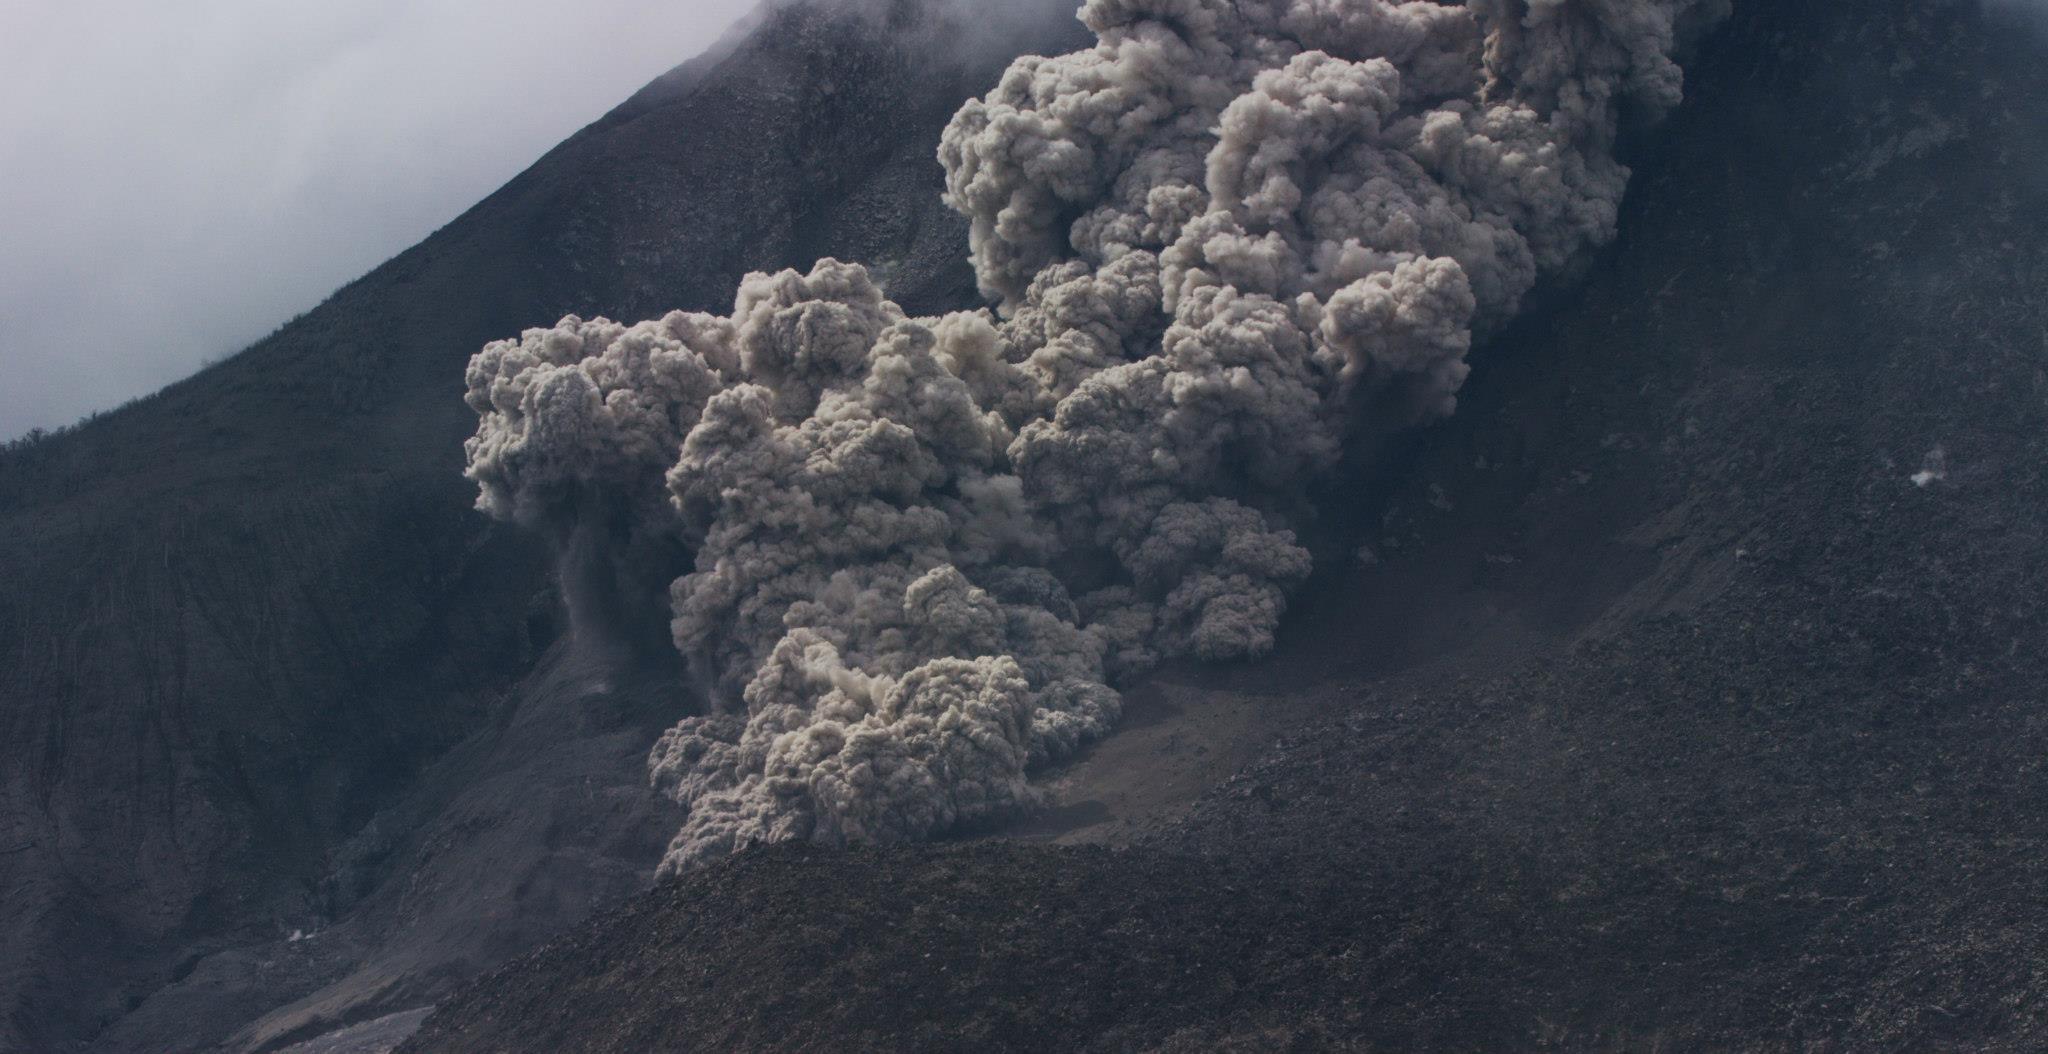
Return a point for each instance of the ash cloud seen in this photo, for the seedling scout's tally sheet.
(1227, 236)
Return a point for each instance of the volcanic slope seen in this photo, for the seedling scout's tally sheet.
(284, 724)
(1691, 696)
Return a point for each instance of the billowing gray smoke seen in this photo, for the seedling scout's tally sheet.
(926, 548)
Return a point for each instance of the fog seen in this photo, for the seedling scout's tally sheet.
(178, 179)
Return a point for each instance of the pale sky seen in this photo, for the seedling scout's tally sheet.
(177, 178)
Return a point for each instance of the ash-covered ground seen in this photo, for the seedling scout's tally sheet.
(291, 738)
(1690, 695)
(1680, 692)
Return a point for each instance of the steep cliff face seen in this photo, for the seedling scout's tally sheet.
(267, 673)
(1716, 724)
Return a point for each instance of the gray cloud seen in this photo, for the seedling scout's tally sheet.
(177, 179)
(926, 550)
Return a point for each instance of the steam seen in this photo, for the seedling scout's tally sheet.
(1227, 236)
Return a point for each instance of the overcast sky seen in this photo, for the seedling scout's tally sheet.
(178, 178)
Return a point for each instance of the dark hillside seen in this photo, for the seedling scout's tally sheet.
(1760, 509)
(263, 663)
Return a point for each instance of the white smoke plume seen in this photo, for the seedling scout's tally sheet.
(1227, 235)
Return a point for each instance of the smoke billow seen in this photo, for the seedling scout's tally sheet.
(926, 548)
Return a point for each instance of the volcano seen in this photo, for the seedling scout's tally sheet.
(1681, 689)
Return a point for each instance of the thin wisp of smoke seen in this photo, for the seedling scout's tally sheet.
(927, 549)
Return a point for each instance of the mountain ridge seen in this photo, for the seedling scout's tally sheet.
(1712, 714)
(295, 740)
(254, 610)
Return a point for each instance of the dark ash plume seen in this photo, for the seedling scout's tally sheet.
(926, 548)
